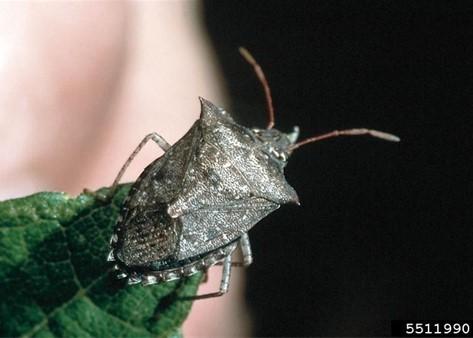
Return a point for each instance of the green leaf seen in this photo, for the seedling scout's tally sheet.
(55, 281)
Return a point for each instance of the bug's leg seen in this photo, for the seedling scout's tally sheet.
(224, 283)
(160, 141)
(205, 279)
(245, 248)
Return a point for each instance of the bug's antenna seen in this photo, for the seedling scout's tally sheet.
(259, 73)
(347, 132)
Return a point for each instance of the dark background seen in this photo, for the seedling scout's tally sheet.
(385, 230)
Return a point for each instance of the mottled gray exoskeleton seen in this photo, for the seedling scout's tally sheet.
(192, 207)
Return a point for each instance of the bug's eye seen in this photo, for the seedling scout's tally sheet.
(279, 155)
(282, 156)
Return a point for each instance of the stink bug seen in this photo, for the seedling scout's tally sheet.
(194, 205)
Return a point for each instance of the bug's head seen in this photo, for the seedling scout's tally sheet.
(275, 143)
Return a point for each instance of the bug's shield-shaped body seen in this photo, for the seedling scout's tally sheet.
(199, 198)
